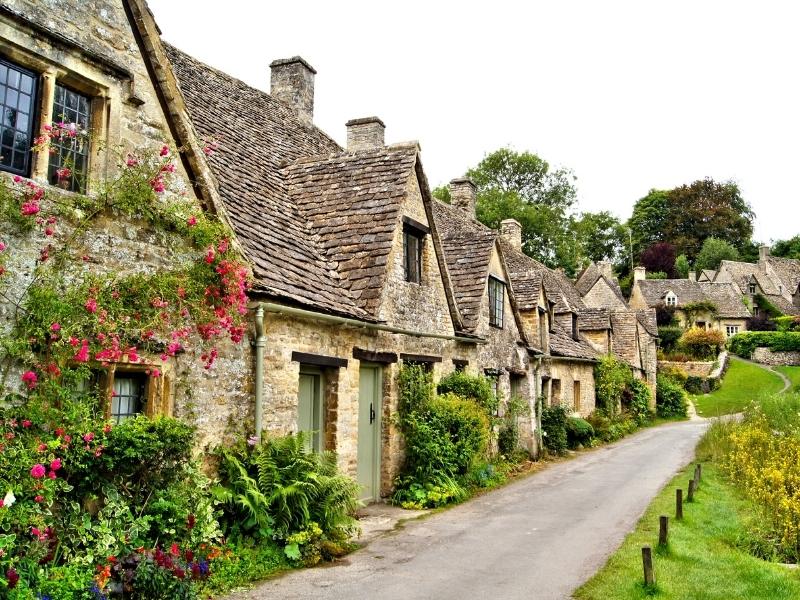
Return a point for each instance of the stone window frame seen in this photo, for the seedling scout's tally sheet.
(670, 299)
(752, 288)
(157, 391)
(497, 299)
(413, 247)
(49, 75)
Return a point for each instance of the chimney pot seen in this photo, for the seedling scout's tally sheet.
(763, 252)
(639, 274)
(365, 134)
(692, 276)
(463, 195)
(511, 230)
(605, 269)
(292, 82)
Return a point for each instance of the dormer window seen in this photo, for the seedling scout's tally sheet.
(671, 299)
(752, 288)
(414, 234)
(497, 297)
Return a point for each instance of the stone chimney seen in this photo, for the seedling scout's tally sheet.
(639, 274)
(692, 276)
(463, 195)
(511, 231)
(605, 269)
(763, 252)
(292, 82)
(365, 134)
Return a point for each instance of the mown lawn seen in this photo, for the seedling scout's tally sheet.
(793, 373)
(743, 383)
(705, 559)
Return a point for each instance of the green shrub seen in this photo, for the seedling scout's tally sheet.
(416, 388)
(281, 488)
(694, 384)
(508, 437)
(675, 373)
(703, 344)
(640, 401)
(743, 344)
(668, 337)
(554, 428)
(612, 377)
(473, 387)
(790, 323)
(670, 398)
(579, 432)
(610, 429)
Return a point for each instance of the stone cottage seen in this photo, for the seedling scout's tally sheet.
(729, 313)
(612, 327)
(549, 306)
(90, 65)
(775, 279)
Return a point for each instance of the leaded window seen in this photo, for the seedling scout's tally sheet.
(69, 158)
(17, 102)
(497, 293)
(128, 398)
(412, 245)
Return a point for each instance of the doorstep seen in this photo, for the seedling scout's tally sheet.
(379, 518)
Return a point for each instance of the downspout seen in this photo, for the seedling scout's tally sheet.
(538, 397)
(261, 343)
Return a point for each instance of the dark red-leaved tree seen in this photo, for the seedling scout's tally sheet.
(660, 257)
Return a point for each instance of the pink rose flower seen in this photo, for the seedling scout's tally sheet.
(164, 150)
(55, 464)
(38, 471)
(30, 379)
(55, 327)
(88, 437)
(91, 305)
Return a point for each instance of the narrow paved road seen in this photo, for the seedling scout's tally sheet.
(538, 538)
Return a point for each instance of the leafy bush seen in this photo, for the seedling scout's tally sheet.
(761, 323)
(668, 337)
(670, 398)
(554, 428)
(280, 488)
(508, 437)
(743, 344)
(665, 316)
(703, 344)
(675, 373)
(473, 387)
(640, 401)
(412, 494)
(612, 377)
(579, 432)
(791, 323)
(610, 429)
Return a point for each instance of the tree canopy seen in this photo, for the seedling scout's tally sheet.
(689, 214)
(713, 252)
(787, 248)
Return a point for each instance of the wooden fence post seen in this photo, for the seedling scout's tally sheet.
(647, 564)
(690, 492)
(697, 478)
(663, 530)
(678, 504)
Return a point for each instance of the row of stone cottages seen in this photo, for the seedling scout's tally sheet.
(357, 269)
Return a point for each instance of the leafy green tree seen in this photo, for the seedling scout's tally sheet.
(601, 236)
(787, 248)
(705, 209)
(682, 266)
(648, 220)
(713, 252)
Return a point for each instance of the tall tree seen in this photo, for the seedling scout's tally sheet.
(713, 252)
(705, 209)
(601, 236)
(787, 248)
(523, 186)
(660, 257)
(648, 220)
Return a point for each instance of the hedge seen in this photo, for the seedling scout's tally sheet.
(743, 344)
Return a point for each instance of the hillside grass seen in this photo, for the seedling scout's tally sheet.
(793, 373)
(743, 383)
(707, 557)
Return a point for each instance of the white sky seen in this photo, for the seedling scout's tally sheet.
(630, 95)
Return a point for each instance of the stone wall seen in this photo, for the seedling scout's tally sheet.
(566, 373)
(768, 357)
(691, 368)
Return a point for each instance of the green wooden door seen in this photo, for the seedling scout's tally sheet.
(309, 415)
(369, 432)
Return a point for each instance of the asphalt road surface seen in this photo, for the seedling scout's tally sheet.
(539, 538)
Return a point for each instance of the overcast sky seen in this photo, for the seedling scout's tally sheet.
(629, 95)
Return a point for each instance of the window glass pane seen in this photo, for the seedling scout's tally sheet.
(128, 398)
(69, 165)
(15, 111)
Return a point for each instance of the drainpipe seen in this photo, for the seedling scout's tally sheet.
(261, 343)
(538, 396)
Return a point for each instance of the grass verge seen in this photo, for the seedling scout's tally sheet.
(743, 382)
(793, 373)
(706, 559)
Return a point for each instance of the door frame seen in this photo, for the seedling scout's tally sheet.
(377, 439)
(319, 396)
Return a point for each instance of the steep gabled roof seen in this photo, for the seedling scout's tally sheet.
(563, 345)
(707, 275)
(594, 319)
(743, 273)
(647, 318)
(352, 202)
(787, 271)
(726, 298)
(467, 246)
(654, 291)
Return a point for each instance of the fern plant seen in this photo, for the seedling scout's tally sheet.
(280, 487)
